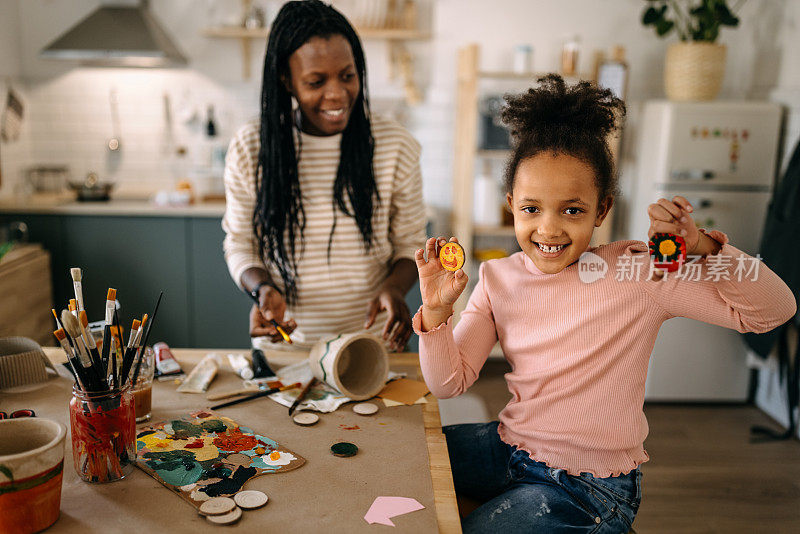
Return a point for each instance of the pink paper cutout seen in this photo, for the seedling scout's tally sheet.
(384, 508)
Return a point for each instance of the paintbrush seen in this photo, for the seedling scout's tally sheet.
(62, 340)
(140, 353)
(274, 323)
(302, 395)
(71, 326)
(128, 353)
(258, 395)
(111, 296)
(76, 283)
(91, 344)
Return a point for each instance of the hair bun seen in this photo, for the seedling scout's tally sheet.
(555, 107)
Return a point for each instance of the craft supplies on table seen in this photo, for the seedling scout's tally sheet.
(392, 444)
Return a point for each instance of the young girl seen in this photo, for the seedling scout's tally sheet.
(565, 455)
(323, 200)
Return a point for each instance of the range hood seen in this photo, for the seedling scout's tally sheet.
(117, 36)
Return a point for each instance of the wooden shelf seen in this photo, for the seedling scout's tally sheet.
(391, 34)
(399, 58)
(511, 75)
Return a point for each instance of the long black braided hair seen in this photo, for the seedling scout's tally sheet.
(279, 216)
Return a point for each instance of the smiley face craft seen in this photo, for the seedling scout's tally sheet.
(668, 251)
(451, 256)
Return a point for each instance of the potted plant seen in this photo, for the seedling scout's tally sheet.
(694, 66)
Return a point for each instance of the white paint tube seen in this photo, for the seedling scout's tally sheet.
(241, 365)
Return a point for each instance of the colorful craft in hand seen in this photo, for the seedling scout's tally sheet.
(668, 251)
(451, 256)
(204, 455)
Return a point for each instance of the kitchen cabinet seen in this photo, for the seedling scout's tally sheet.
(141, 256)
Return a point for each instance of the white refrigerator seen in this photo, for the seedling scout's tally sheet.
(721, 156)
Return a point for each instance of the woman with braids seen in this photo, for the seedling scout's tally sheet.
(576, 323)
(324, 204)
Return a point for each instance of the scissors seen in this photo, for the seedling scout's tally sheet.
(17, 414)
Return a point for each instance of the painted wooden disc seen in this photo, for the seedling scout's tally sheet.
(668, 251)
(217, 506)
(365, 408)
(305, 418)
(226, 519)
(344, 449)
(451, 256)
(250, 499)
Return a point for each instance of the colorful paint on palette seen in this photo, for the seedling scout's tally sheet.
(204, 455)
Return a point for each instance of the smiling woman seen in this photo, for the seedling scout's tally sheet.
(324, 205)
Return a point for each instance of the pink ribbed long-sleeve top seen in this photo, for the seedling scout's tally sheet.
(579, 351)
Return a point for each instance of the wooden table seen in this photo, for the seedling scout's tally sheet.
(441, 477)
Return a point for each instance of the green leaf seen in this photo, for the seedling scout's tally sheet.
(664, 27)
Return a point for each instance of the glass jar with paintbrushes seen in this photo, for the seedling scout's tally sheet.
(102, 407)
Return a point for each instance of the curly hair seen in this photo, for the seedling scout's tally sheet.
(573, 120)
(279, 216)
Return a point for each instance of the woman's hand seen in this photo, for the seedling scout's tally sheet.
(439, 287)
(672, 217)
(397, 328)
(271, 305)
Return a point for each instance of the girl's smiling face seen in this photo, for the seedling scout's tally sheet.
(556, 208)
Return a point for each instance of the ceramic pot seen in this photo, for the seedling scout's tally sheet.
(31, 470)
(355, 364)
(694, 71)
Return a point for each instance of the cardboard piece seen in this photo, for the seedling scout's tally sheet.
(404, 390)
(389, 402)
(384, 508)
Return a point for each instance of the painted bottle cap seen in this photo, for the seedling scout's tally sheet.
(217, 506)
(250, 499)
(365, 408)
(226, 519)
(668, 251)
(305, 418)
(344, 449)
(451, 256)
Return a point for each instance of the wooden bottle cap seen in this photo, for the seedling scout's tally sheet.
(217, 506)
(250, 499)
(451, 256)
(365, 408)
(305, 418)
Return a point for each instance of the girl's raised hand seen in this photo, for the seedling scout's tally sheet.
(439, 287)
(672, 217)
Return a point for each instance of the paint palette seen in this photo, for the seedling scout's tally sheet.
(204, 455)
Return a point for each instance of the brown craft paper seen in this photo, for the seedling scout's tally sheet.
(404, 390)
(327, 494)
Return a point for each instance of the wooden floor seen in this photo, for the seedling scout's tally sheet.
(704, 475)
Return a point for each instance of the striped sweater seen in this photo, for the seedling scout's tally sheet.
(579, 351)
(332, 295)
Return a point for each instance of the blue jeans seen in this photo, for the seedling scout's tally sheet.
(522, 495)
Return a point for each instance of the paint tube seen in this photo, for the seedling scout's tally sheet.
(241, 365)
(201, 376)
(166, 364)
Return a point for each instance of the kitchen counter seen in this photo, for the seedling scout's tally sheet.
(60, 205)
